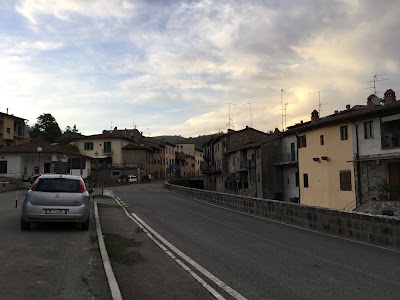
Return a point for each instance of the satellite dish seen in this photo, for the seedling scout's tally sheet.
(376, 100)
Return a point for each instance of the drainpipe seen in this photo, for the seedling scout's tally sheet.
(359, 194)
(298, 168)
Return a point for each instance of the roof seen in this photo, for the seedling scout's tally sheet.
(32, 147)
(12, 116)
(137, 147)
(160, 142)
(107, 135)
(356, 113)
(256, 144)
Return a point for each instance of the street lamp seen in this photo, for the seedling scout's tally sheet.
(39, 149)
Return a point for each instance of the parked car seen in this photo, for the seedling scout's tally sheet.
(33, 178)
(132, 178)
(57, 198)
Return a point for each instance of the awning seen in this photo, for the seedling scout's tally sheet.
(100, 156)
(390, 118)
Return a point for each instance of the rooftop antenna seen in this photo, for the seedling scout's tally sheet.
(282, 90)
(374, 82)
(251, 116)
(229, 120)
(285, 108)
(111, 125)
(319, 99)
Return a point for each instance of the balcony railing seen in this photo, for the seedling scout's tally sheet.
(390, 142)
(288, 156)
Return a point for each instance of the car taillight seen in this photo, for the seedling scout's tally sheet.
(35, 184)
(82, 187)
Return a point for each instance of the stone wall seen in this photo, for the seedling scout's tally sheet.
(380, 230)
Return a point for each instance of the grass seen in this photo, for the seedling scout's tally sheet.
(119, 249)
(105, 205)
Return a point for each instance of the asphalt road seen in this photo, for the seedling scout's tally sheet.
(50, 261)
(262, 259)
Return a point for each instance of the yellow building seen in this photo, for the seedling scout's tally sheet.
(325, 158)
(13, 130)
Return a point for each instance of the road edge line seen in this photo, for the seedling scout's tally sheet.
(208, 287)
(112, 281)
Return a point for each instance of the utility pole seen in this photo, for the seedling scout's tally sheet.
(251, 116)
(319, 99)
(282, 90)
(229, 119)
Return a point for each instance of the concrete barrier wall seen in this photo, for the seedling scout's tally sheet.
(375, 229)
(10, 184)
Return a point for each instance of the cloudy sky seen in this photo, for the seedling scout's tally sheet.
(172, 67)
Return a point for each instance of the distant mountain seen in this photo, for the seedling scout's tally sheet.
(198, 141)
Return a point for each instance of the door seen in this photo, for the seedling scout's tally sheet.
(394, 179)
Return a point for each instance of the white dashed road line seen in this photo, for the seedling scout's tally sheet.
(163, 244)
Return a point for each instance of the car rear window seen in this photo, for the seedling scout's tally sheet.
(60, 185)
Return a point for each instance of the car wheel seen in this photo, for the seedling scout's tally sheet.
(25, 225)
(85, 226)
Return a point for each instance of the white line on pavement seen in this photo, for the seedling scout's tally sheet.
(146, 228)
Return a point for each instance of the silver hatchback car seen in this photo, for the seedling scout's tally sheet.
(57, 198)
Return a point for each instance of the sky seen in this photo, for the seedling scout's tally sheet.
(191, 68)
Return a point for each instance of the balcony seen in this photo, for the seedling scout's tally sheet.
(390, 141)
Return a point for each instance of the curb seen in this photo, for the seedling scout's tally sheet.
(112, 281)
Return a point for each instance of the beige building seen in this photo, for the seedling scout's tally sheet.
(13, 130)
(326, 170)
(191, 149)
(105, 147)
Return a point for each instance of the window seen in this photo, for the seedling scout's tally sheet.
(302, 141)
(345, 180)
(305, 179)
(107, 146)
(8, 129)
(3, 167)
(297, 178)
(77, 163)
(88, 146)
(321, 139)
(369, 130)
(344, 133)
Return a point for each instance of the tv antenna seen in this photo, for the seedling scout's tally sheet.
(319, 99)
(282, 90)
(229, 118)
(251, 116)
(111, 125)
(285, 108)
(374, 82)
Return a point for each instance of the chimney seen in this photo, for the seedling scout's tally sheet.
(7, 111)
(314, 116)
(369, 100)
(347, 106)
(390, 97)
(336, 112)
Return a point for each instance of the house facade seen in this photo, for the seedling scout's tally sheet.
(28, 159)
(13, 130)
(191, 149)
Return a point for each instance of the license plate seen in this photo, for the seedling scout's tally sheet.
(56, 211)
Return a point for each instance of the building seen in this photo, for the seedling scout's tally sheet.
(215, 166)
(25, 160)
(13, 130)
(191, 149)
(343, 156)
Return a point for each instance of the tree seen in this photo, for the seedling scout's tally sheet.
(46, 128)
(68, 129)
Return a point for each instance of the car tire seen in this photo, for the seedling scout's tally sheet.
(25, 225)
(85, 226)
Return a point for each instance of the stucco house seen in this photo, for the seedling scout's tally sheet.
(28, 159)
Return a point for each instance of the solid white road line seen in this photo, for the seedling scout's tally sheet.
(112, 282)
(147, 228)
